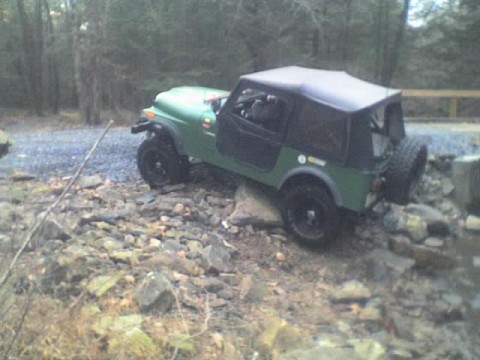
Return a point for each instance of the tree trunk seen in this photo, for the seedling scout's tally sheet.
(30, 57)
(346, 33)
(391, 65)
(53, 90)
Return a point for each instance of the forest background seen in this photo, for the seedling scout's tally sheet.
(116, 55)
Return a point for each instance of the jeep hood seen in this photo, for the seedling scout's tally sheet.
(187, 102)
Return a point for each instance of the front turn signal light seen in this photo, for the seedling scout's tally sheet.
(149, 114)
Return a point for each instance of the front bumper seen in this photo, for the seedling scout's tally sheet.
(143, 124)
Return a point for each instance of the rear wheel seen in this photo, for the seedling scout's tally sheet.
(311, 215)
(158, 163)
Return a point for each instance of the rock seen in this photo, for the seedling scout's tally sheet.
(472, 223)
(449, 308)
(383, 263)
(15, 195)
(111, 244)
(182, 343)
(434, 242)
(7, 215)
(401, 354)
(424, 256)
(99, 285)
(466, 181)
(475, 302)
(53, 230)
(476, 261)
(351, 291)
(279, 336)
(447, 187)
(397, 220)
(17, 176)
(124, 256)
(5, 143)
(213, 285)
(172, 262)
(215, 259)
(320, 353)
(254, 207)
(252, 290)
(437, 224)
(147, 197)
(124, 337)
(178, 208)
(370, 313)
(368, 349)
(90, 182)
(154, 294)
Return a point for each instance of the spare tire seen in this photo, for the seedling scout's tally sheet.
(405, 170)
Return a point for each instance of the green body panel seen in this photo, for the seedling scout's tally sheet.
(186, 109)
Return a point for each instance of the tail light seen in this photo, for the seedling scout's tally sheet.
(377, 185)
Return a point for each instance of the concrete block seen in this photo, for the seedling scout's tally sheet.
(466, 180)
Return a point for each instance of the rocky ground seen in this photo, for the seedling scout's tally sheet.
(193, 272)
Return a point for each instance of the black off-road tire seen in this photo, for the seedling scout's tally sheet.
(405, 170)
(311, 215)
(158, 163)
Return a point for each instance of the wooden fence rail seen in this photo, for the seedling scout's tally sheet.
(453, 95)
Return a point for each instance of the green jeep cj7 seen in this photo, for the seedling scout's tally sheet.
(325, 140)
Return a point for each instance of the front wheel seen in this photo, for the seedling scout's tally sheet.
(158, 163)
(311, 215)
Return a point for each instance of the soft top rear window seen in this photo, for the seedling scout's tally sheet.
(320, 131)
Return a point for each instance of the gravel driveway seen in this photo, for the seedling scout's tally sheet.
(58, 153)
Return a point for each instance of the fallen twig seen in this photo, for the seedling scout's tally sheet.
(44, 216)
(201, 332)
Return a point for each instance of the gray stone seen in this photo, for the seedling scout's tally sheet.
(472, 223)
(401, 354)
(437, 224)
(424, 256)
(215, 259)
(476, 261)
(254, 207)
(383, 263)
(447, 187)
(154, 294)
(466, 180)
(53, 230)
(173, 245)
(434, 242)
(22, 176)
(90, 182)
(147, 198)
(452, 299)
(351, 291)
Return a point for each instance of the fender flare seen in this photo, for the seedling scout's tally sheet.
(161, 127)
(320, 175)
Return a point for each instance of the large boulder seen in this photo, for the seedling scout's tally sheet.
(5, 143)
(254, 207)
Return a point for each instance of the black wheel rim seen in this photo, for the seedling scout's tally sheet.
(308, 217)
(155, 167)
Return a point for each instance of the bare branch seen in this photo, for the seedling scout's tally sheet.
(44, 216)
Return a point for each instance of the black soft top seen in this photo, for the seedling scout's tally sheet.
(336, 89)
